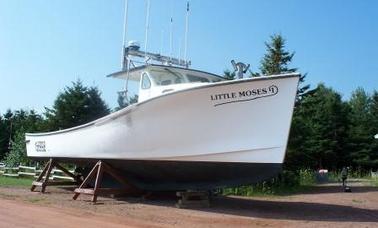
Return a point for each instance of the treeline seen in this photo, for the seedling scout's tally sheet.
(326, 132)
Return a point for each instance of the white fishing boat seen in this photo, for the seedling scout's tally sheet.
(189, 129)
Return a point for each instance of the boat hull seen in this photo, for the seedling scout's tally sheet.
(228, 131)
(183, 175)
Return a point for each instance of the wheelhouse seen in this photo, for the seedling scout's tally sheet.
(155, 80)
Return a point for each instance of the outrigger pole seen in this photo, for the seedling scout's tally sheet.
(124, 61)
(186, 30)
(147, 27)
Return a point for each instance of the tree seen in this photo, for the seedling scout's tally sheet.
(12, 122)
(374, 127)
(318, 131)
(227, 74)
(277, 61)
(361, 130)
(76, 105)
(5, 133)
(123, 103)
(4, 136)
(374, 112)
(17, 154)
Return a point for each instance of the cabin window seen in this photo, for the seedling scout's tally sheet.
(193, 78)
(146, 83)
(167, 77)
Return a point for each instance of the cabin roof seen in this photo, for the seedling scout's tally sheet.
(134, 73)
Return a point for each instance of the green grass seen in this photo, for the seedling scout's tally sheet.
(357, 174)
(285, 184)
(374, 181)
(14, 182)
(267, 192)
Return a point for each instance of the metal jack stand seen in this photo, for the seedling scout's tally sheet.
(43, 179)
(97, 171)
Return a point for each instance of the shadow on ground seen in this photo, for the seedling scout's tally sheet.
(292, 210)
(338, 189)
(279, 209)
(283, 209)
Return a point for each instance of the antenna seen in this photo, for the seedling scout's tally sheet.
(186, 31)
(147, 27)
(171, 39)
(179, 51)
(123, 62)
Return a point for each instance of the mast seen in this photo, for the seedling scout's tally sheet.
(123, 61)
(147, 27)
(171, 39)
(179, 50)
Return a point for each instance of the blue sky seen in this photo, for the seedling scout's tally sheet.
(45, 45)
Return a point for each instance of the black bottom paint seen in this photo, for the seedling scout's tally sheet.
(184, 175)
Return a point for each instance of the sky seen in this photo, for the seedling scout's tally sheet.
(46, 45)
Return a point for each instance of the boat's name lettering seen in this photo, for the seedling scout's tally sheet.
(40, 146)
(244, 95)
(223, 96)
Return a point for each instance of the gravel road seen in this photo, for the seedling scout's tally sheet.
(322, 206)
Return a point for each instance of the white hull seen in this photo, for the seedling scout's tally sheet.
(220, 122)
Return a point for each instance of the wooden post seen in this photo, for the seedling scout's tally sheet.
(34, 185)
(98, 170)
(97, 182)
(43, 179)
(47, 177)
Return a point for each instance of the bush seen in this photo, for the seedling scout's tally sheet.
(307, 177)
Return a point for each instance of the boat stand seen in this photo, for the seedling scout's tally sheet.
(43, 179)
(97, 171)
(193, 199)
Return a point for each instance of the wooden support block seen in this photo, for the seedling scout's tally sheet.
(193, 199)
(37, 183)
(87, 191)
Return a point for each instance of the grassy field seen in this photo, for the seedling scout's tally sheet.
(15, 182)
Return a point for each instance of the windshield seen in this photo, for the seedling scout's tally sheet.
(166, 77)
(194, 78)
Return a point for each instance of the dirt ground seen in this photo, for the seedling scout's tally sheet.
(323, 206)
